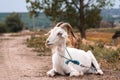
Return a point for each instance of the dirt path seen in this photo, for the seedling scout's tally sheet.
(17, 62)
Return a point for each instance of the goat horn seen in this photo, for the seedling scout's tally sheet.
(69, 28)
(58, 24)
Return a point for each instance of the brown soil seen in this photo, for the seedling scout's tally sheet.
(18, 62)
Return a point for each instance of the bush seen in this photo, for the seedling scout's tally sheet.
(38, 43)
(14, 23)
(3, 28)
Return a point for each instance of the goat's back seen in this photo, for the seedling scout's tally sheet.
(83, 57)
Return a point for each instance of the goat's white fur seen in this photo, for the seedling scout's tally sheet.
(58, 45)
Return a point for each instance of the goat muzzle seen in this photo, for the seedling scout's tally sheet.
(48, 43)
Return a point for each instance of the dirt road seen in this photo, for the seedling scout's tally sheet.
(18, 62)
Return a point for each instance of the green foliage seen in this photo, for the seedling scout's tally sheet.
(112, 57)
(93, 21)
(53, 10)
(14, 23)
(42, 21)
(101, 53)
(81, 14)
(3, 28)
(108, 58)
(33, 7)
(71, 16)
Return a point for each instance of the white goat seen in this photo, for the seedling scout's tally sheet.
(57, 42)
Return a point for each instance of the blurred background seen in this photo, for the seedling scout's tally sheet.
(96, 23)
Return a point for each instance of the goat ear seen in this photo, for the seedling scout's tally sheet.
(64, 35)
(47, 33)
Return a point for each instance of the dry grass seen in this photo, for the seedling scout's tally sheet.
(100, 36)
(108, 58)
(103, 34)
(38, 43)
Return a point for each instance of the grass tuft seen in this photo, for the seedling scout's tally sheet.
(38, 43)
(108, 58)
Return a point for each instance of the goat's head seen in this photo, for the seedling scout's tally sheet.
(68, 27)
(58, 32)
(57, 36)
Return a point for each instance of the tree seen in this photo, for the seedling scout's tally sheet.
(93, 18)
(33, 8)
(81, 13)
(14, 23)
(88, 12)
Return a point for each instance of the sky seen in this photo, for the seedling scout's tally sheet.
(20, 5)
(13, 6)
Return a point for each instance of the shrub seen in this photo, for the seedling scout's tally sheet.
(3, 28)
(38, 43)
(14, 23)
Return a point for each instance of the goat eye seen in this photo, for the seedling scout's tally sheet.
(59, 34)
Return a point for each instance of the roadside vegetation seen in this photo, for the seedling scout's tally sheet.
(108, 58)
(38, 43)
(103, 35)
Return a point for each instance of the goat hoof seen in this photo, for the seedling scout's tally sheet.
(74, 74)
(81, 73)
(99, 72)
(51, 73)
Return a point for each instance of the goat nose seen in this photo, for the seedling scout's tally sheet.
(47, 42)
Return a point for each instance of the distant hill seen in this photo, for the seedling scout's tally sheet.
(41, 21)
(109, 14)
